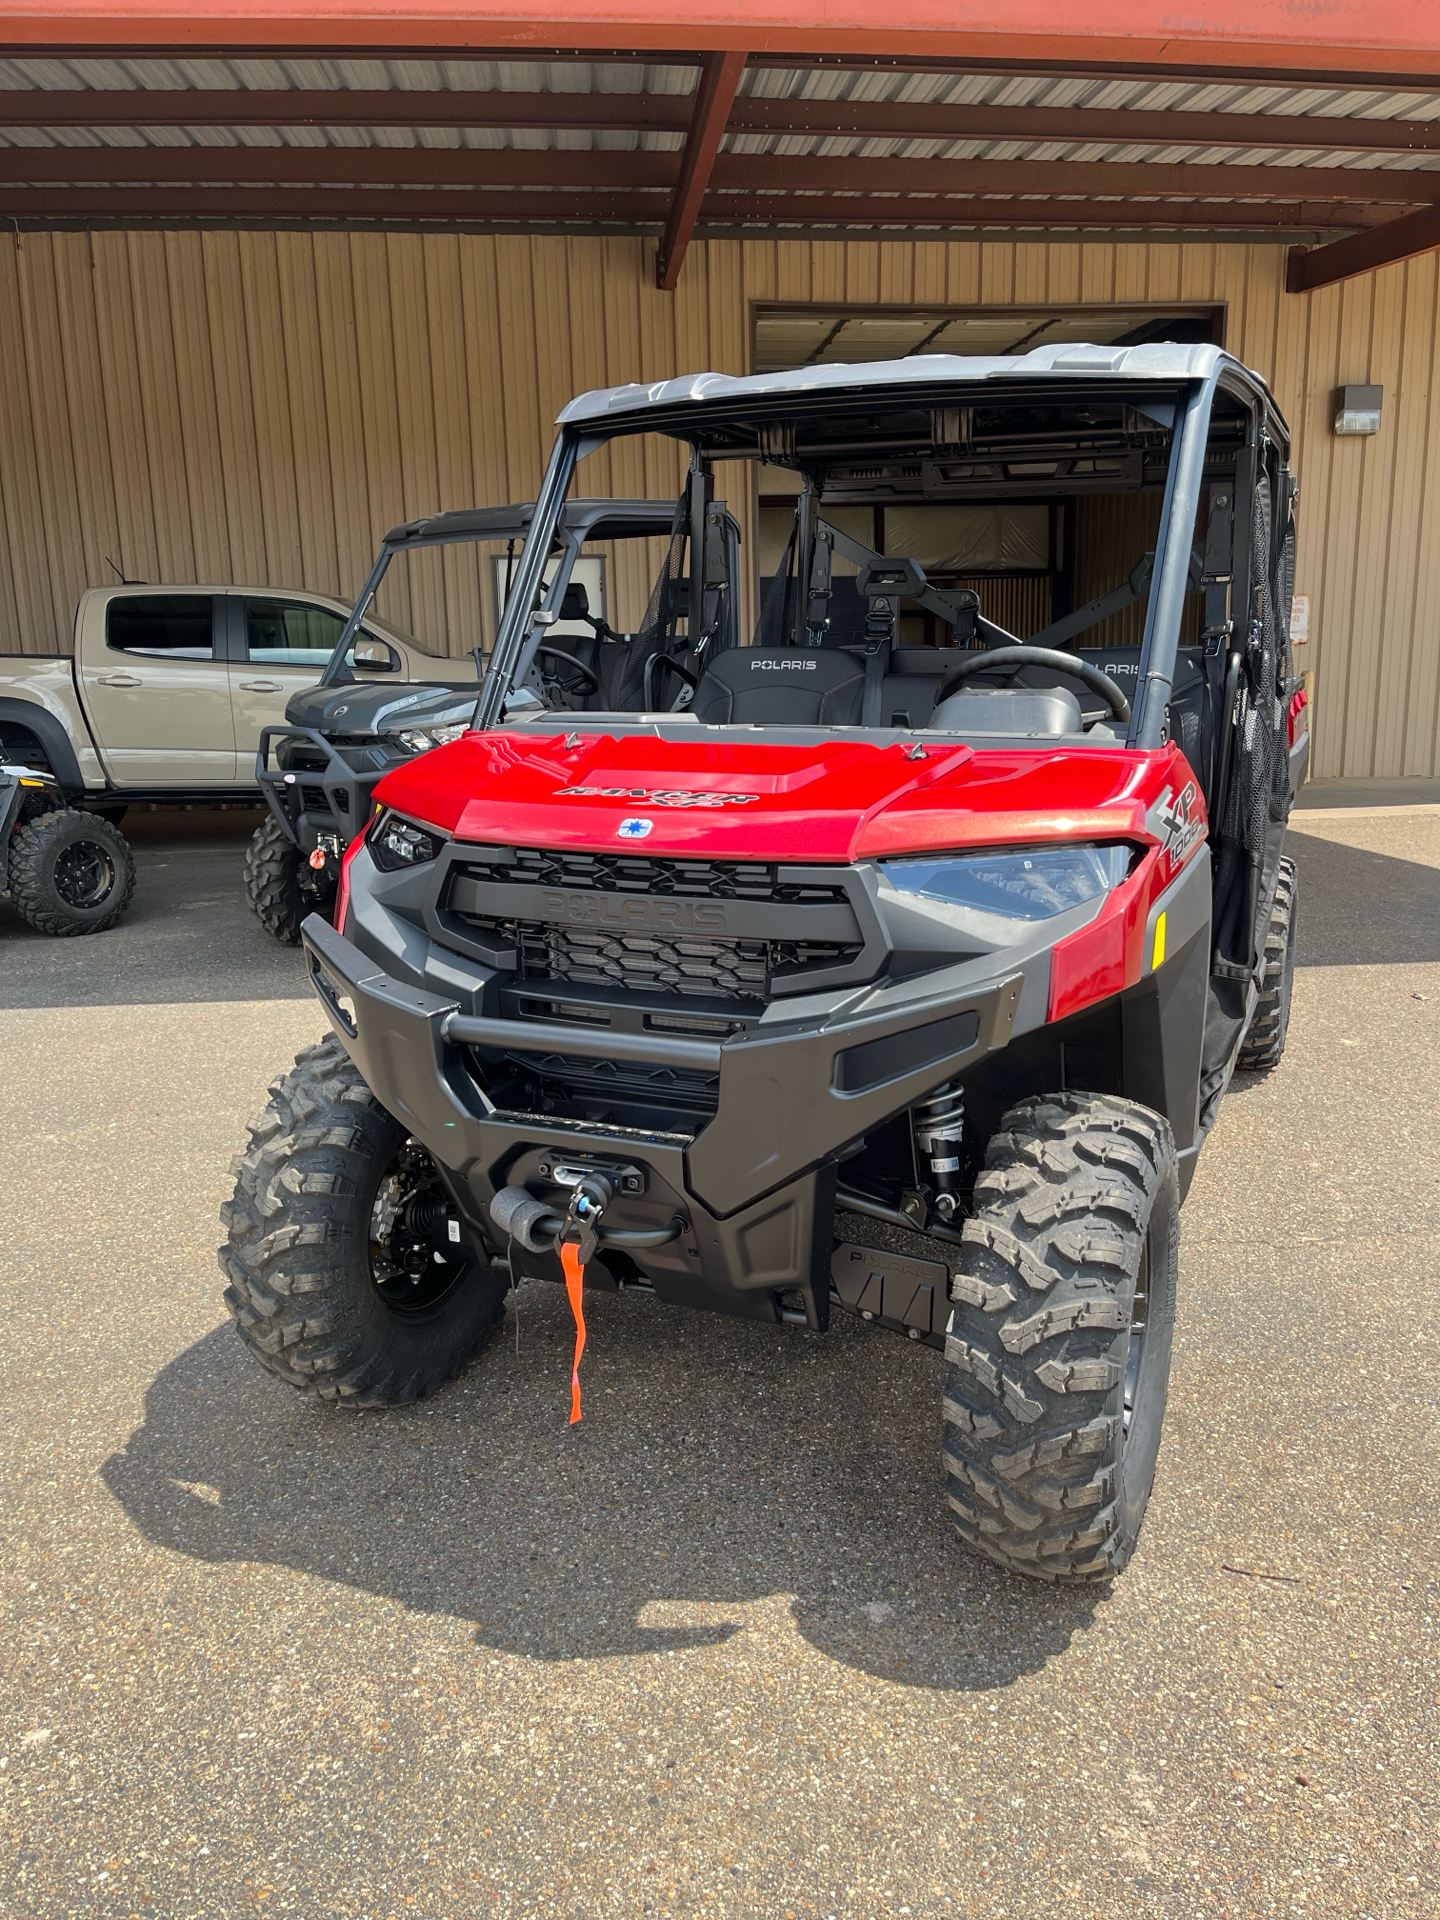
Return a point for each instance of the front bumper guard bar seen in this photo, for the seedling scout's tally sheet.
(347, 789)
(757, 1181)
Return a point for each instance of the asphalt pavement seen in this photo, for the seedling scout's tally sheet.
(715, 1652)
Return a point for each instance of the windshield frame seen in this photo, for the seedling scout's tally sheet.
(1193, 398)
(476, 526)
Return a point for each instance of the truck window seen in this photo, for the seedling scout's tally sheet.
(290, 633)
(172, 626)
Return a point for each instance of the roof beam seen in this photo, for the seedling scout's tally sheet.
(1395, 36)
(838, 173)
(342, 107)
(337, 166)
(637, 208)
(1380, 246)
(762, 174)
(526, 208)
(719, 77)
(673, 113)
(939, 210)
(915, 120)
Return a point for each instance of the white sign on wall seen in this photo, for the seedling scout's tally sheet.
(1300, 620)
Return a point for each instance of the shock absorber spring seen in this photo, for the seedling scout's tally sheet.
(939, 1128)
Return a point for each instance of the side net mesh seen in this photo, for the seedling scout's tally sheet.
(1253, 827)
(656, 633)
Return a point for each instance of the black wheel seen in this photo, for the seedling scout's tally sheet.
(70, 873)
(272, 882)
(1265, 1037)
(114, 811)
(345, 1278)
(1059, 1347)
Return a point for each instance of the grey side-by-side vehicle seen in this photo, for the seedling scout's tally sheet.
(873, 930)
(340, 737)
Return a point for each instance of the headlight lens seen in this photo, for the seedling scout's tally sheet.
(422, 739)
(1028, 884)
(394, 843)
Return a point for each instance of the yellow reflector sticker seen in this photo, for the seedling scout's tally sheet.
(1159, 955)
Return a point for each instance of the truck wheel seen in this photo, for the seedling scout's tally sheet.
(272, 882)
(1059, 1342)
(70, 873)
(1265, 1037)
(344, 1278)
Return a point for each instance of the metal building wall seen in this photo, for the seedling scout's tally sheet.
(259, 406)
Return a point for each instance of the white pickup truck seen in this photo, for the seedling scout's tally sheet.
(169, 687)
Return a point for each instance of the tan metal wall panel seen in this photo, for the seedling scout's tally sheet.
(261, 406)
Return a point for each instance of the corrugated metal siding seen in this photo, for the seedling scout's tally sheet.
(261, 406)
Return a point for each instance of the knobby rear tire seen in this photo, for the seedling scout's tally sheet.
(1264, 1041)
(298, 1257)
(1047, 1472)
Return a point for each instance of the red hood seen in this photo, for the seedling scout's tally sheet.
(835, 800)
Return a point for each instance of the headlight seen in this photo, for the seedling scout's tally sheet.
(394, 843)
(1032, 884)
(422, 739)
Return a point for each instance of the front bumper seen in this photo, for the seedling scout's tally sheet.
(755, 1184)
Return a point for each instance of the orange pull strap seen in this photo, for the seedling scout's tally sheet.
(575, 1288)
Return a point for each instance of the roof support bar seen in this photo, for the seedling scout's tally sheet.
(664, 112)
(730, 174)
(1363, 252)
(719, 77)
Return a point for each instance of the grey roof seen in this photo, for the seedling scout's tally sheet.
(621, 519)
(1158, 361)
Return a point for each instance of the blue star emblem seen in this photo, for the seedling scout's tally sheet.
(634, 829)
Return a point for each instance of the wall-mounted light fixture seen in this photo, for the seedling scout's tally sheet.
(1357, 409)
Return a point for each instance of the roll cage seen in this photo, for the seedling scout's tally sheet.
(566, 533)
(933, 428)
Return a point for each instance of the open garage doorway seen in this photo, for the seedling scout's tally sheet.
(815, 335)
(1031, 562)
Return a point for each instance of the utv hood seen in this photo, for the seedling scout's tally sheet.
(835, 800)
(363, 707)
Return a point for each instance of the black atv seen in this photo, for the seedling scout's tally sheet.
(342, 736)
(891, 965)
(67, 870)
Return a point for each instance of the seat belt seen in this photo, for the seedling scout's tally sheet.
(877, 661)
(817, 610)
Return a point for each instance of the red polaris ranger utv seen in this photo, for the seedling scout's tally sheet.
(879, 937)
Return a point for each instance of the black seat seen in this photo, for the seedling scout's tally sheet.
(1194, 703)
(912, 678)
(781, 686)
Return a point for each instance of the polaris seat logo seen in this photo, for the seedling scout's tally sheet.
(633, 914)
(783, 666)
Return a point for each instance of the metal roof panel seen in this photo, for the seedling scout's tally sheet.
(1160, 361)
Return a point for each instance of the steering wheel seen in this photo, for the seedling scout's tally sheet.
(1015, 657)
(591, 678)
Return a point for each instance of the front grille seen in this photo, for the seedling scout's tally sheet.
(617, 942)
(690, 966)
(639, 873)
(646, 963)
(313, 797)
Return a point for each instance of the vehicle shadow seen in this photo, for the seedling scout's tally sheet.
(188, 934)
(1363, 909)
(727, 1479)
